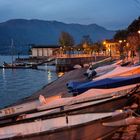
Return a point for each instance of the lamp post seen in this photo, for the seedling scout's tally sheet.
(104, 44)
(122, 48)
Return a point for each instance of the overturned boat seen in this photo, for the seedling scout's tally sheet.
(92, 101)
(70, 127)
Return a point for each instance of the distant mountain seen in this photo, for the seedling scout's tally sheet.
(25, 32)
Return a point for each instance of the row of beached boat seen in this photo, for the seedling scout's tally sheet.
(98, 106)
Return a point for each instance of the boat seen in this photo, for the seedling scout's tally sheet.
(92, 97)
(66, 126)
(91, 72)
(87, 102)
(26, 107)
(117, 72)
(84, 113)
(15, 66)
(120, 71)
(78, 88)
(112, 70)
(91, 101)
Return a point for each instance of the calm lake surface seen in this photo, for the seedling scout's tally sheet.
(17, 84)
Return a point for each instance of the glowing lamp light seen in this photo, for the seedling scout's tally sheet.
(120, 41)
(104, 43)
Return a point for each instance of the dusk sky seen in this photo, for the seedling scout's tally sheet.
(112, 14)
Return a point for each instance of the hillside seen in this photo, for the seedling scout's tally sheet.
(25, 32)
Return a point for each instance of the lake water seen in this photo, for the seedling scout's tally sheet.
(17, 84)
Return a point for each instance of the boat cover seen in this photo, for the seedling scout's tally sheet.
(121, 71)
(104, 83)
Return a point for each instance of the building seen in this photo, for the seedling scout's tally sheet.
(44, 50)
(112, 47)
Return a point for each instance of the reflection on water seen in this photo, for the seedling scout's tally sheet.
(60, 74)
(20, 83)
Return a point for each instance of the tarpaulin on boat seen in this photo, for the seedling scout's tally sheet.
(121, 71)
(104, 83)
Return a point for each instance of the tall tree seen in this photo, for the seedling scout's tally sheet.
(120, 35)
(97, 47)
(66, 39)
(86, 43)
(134, 26)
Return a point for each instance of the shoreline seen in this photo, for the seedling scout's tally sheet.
(58, 86)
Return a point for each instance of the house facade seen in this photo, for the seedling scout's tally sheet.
(44, 50)
(112, 47)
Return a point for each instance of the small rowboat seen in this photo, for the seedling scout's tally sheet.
(26, 107)
(68, 126)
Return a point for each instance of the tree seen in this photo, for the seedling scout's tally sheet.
(86, 43)
(66, 39)
(134, 26)
(86, 39)
(97, 47)
(138, 51)
(121, 35)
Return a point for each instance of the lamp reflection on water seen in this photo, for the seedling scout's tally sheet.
(3, 73)
(60, 74)
(49, 75)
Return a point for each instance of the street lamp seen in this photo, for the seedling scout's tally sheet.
(122, 43)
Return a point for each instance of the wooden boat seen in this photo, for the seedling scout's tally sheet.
(93, 96)
(26, 107)
(70, 127)
(15, 66)
(56, 101)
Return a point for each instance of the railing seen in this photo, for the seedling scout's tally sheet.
(76, 55)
